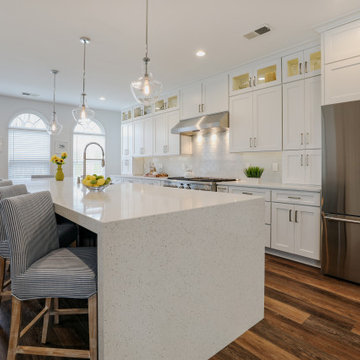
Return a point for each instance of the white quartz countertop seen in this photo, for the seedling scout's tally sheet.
(126, 200)
(265, 185)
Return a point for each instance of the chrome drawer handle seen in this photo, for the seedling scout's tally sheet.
(294, 197)
(290, 215)
(247, 193)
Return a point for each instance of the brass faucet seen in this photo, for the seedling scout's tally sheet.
(84, 157)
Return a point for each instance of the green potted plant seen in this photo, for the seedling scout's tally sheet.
(253, 174)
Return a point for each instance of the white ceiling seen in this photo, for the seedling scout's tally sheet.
(39, 35)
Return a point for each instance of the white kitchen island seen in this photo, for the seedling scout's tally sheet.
(180, 272)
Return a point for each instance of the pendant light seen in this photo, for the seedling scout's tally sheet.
(145, 89)
(54, 128)
(83, 112)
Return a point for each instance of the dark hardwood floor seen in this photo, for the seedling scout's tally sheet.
(307, 316)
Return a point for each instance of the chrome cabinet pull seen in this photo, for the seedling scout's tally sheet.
(294, 197)
(250, 84)
(250, 141)
(296, 217)
(306, 67)
(307, 138)
(199, 108)
(300, 68)
(307, 160)
(302, 160)
(247, 193)
(254, 80)
(290, 215)
(302, 138)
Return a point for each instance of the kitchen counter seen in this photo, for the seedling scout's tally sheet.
(180, 273)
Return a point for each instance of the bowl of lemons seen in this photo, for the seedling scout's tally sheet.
(96, 182)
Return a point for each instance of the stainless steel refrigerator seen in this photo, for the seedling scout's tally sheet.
(340, 247)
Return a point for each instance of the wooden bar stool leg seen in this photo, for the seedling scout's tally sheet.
(56, 308)
(2, 274)
(46, 320)
(92, 306)
(15, 328)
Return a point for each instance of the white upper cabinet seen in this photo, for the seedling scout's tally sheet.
(342, 42)
(126, 139)
(205, 97)
(143, 137)
(191, 100)
(267, 119)
(241, 123)
(126, 114)
(215, 94)
(301, 64)
(256, 120)
(167, 102)
(341, 76)
(160, 134)
(302, 114)
(255, 76)
(302, 167)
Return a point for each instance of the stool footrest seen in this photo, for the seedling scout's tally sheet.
(45, 351)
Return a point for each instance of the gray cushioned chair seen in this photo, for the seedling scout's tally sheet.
(5, 182)
(40, 269)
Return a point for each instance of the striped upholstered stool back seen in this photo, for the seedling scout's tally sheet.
(5, 182)
(30, 227)
(6, 192)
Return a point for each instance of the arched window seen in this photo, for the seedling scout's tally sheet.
(88, 131)
(29, 147)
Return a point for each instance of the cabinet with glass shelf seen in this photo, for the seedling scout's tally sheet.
(302, 64)
(167, 102)
(138, 111)
(255, 76)
(126, 114)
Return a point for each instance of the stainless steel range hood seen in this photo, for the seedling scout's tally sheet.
(207, 123)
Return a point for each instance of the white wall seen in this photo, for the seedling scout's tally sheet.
(10, 106)
(211, 157)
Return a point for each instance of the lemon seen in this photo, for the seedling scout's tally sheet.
(101, 182)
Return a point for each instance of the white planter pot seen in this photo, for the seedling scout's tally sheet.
(253, 180)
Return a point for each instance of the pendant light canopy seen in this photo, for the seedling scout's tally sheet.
(146, 89)
(83, 112)
(54, 128)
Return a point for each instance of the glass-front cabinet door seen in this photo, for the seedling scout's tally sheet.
(293, 68)
(312, 61)
(267, 73)
(126, 114)
(172, 101)
(160, 105)
(148, 110)
(138, 111)
(241, 80)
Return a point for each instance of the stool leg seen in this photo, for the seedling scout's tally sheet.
(15, 328)
(2, 274)
(92, 307)
(46, 321)
(56, 308)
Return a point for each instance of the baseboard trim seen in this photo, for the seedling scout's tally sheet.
(297, 258)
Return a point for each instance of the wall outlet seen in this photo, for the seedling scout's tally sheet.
(275, 167)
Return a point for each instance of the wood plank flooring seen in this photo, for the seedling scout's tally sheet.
(308, 316)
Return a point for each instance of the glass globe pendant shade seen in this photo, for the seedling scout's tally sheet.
(83, 113)
(54, 128)
(146, 90)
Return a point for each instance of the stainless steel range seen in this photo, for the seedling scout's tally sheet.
(195, 183)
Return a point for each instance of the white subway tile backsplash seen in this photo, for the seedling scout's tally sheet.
(211, 157)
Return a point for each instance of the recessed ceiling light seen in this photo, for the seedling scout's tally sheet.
(102, 98)
(200, 53)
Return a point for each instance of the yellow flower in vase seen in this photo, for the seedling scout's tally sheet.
(64, 155)
(59, 161)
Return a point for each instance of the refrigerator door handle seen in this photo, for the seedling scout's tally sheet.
(342, 219)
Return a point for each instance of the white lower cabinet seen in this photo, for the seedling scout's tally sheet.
(302, 167)
(296, 229)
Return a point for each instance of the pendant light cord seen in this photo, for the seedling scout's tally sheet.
(84, 73)
(54, 99)
(146, 58)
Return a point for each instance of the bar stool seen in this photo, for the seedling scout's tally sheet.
(6, 182)
(40, 269)
(5, 192)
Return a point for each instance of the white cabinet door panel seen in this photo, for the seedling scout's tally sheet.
(313, 112)
(160, 134)
(342, 81)
(267, 118)
(216, 94)
(292, 67)
(241, 130)
(172, 118)
(307, 231)
(282, 227)
(293, 167)
(138, 138)
(268, 236)
(148, 137)
(313, 167)
(191, 99)
(294, 115)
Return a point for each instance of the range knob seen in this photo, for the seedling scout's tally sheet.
(181, 186)
(188, 186)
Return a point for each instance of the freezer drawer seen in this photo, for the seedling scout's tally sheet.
(340, 251)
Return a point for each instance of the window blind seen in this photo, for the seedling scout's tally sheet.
(29, 153)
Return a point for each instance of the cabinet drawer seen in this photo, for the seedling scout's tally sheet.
(296, 197)
(266, 194)
(268, 236)
(221, 188)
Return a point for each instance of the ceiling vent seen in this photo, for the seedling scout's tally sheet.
(260, 31)
(24, 93)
